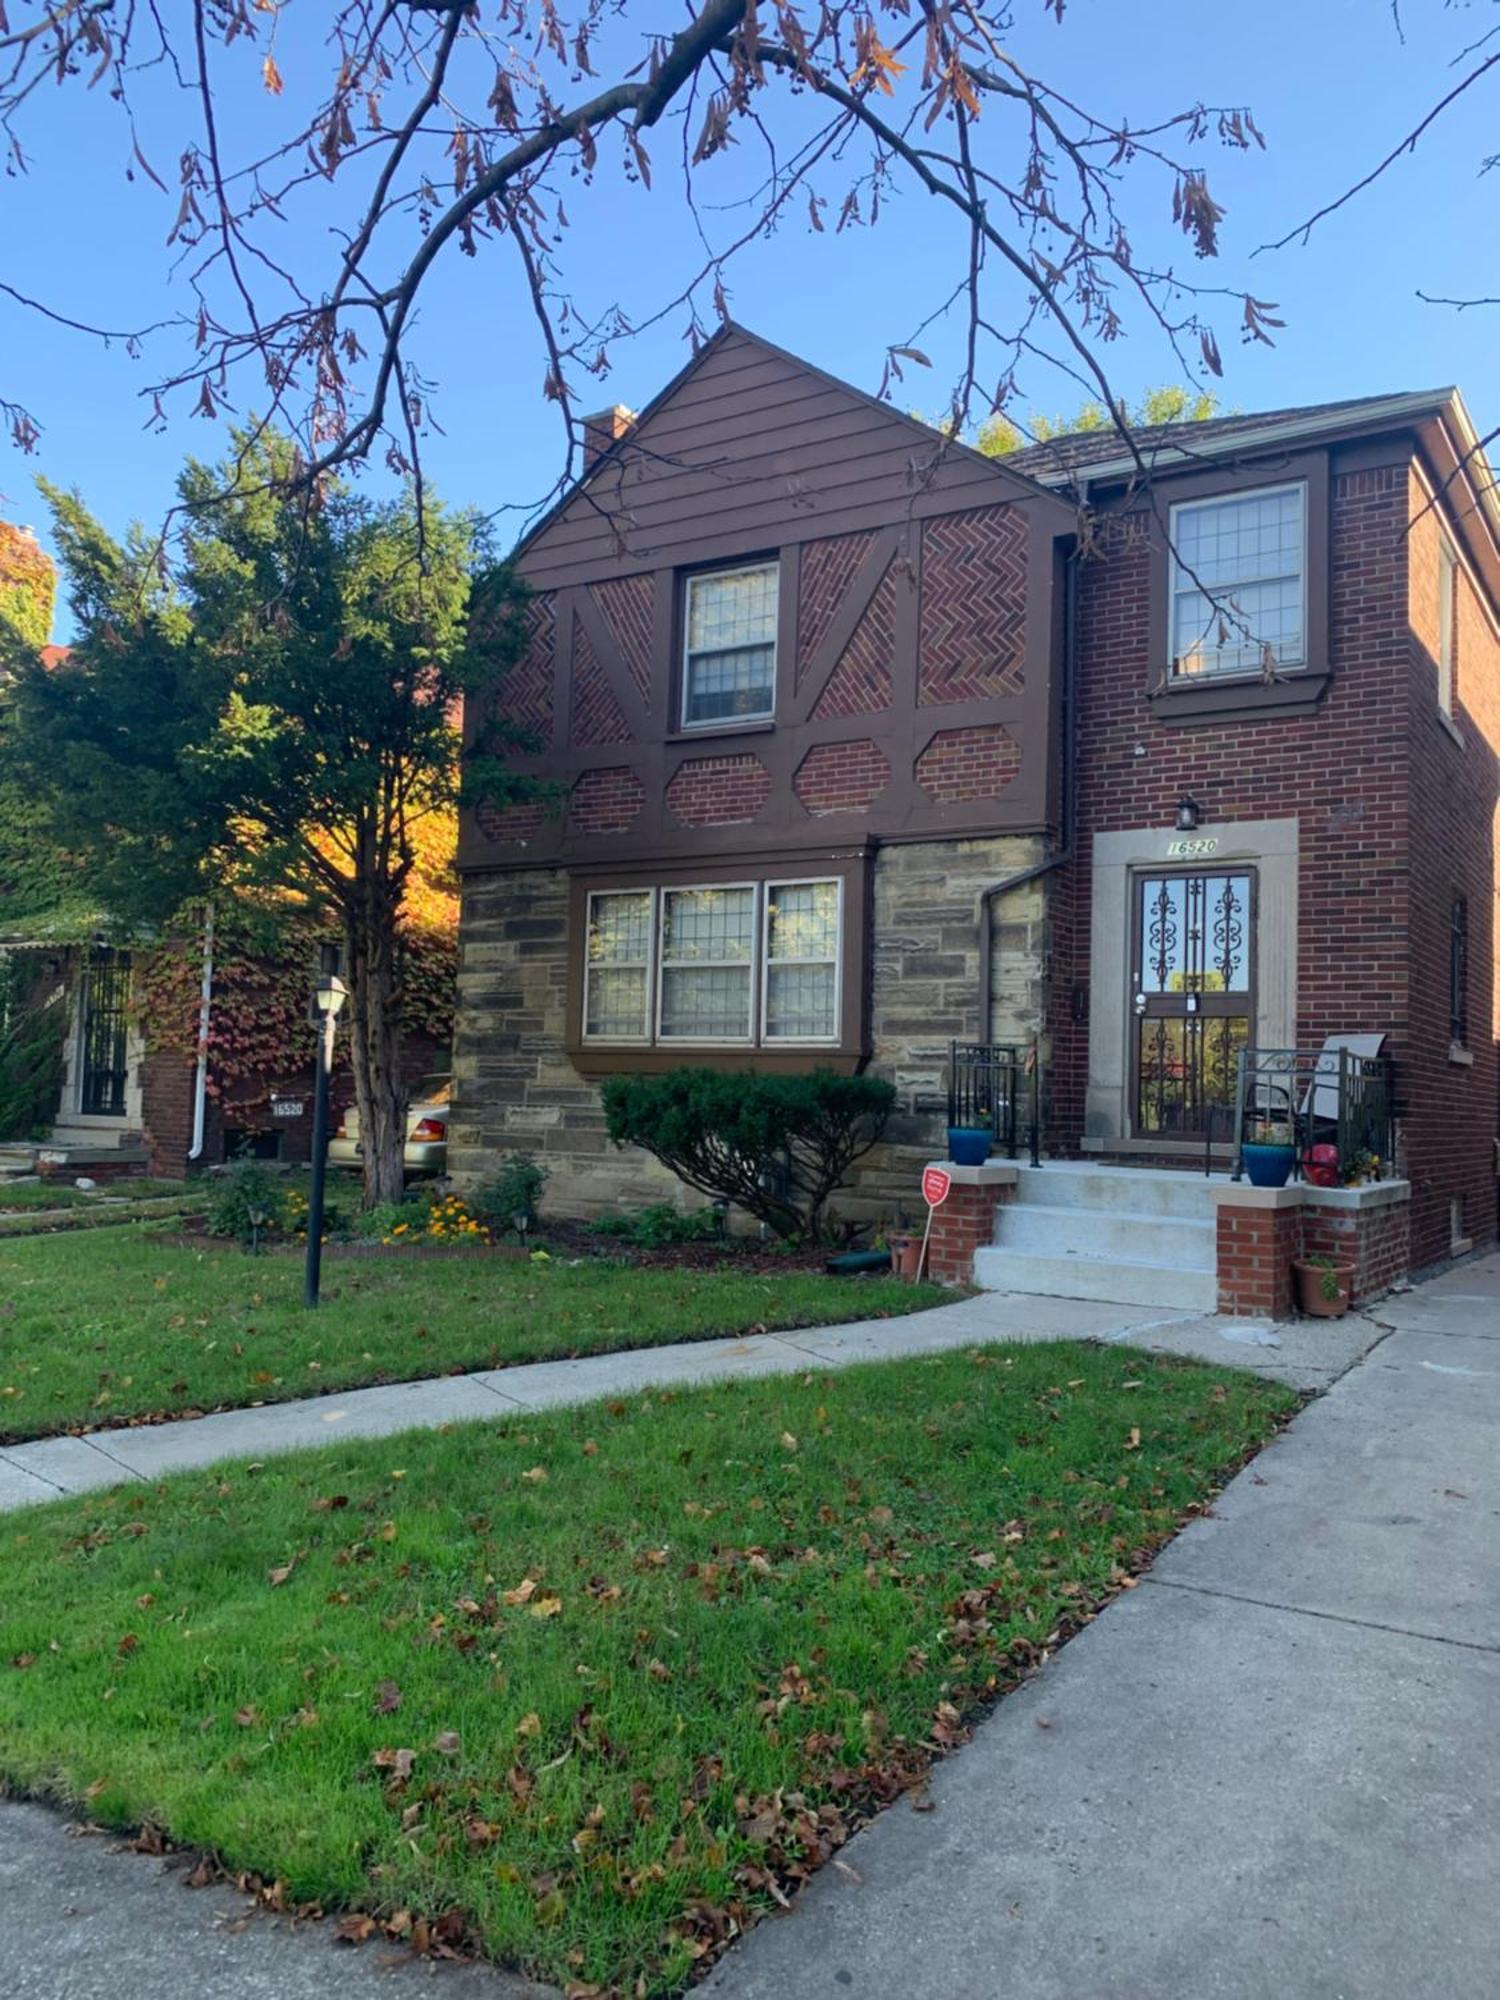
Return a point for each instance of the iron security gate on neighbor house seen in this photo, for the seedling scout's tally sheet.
(105, 1032)
(1193, 964)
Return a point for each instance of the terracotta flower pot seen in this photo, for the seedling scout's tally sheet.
(906, 1253)
(1313, 1288)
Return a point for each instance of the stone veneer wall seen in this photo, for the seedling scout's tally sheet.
(514, 1089)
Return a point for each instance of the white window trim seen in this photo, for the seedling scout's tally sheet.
(1448, 573)
(745, 1041)
(768, 1040)
(643, 1039)
(1179, 581)
(690, 653)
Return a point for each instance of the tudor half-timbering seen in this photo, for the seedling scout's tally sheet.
(866, 748)
(796, 668)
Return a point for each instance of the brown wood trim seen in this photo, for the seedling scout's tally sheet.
(1242, 699)
(593, 1061)
(851, 864)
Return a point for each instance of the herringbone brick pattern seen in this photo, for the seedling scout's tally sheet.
(597, 715)
(973, 605)
(828, 569)
(627, 603)
(525, 696)
(861, 682)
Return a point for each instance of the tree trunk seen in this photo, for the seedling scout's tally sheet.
(375, 1045)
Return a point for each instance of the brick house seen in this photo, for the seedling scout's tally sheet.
(871, 745)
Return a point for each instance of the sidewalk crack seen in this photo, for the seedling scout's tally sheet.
(1329, 1617)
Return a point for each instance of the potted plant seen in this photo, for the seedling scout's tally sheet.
(1324, 1287)
(969, 1145)
(906, 1252)
(1320, 1165)
(1269, 1152)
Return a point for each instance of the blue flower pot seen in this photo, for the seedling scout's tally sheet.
(969, 1145)
(1268, 1166)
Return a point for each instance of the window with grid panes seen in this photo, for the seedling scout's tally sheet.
(802, 946)
(617, 966)
(729, 663)
(754, 963)
(707, 959)
(1239, 582)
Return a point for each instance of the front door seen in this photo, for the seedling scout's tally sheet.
(104, 1033)
(1193, 1000)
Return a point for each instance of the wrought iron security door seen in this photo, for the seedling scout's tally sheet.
(106, 1024)
(1194, 999)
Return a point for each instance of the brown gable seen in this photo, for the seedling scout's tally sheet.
(746, 448)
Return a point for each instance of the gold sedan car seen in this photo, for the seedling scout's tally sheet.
(426, 1131)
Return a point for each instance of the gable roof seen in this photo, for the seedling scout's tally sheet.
(792, 431)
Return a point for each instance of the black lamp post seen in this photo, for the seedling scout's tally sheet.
(328, 997)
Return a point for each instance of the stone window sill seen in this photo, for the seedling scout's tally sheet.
(1458, 1054)
(1453, 729)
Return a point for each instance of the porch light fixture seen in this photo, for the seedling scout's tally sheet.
(1189, 813)
(327, 997)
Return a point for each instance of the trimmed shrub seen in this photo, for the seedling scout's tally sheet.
(776, 1146)
(250, 1188)
(515, 1190)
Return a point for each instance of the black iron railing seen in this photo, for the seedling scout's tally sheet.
(1317, 1097)
(997, 1087)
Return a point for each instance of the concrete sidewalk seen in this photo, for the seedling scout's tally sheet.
(1310, 1355)
(1272, 1770)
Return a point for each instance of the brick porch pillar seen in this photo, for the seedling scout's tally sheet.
(966, 1220)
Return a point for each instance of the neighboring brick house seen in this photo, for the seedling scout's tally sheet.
(124, 1104)
(870, 744)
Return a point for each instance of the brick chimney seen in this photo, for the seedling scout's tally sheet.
(604, 428)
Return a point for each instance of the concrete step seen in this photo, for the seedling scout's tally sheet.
(1118, 1280)
(1125, 1190)
(1180, 1242)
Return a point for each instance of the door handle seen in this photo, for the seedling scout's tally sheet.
(1140, 1003)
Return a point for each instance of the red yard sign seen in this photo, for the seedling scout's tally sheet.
(937, 1184)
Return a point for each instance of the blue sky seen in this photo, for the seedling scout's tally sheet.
(1331, 85)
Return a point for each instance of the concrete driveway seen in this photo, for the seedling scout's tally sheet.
(1271, 1772)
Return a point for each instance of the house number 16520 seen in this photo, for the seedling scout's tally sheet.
(1193, 850)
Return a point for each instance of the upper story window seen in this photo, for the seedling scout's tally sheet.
(1447, 594)
(729, 660)
(748, 964)
(1239, 582)
(1458, 972)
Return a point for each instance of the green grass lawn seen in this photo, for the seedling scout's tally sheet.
(113, 1325)
(589, 1684)
(24, 1197)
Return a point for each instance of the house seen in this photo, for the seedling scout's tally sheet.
(871, 746)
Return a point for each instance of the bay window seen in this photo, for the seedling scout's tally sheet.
(1238, 588)
(728, 964)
